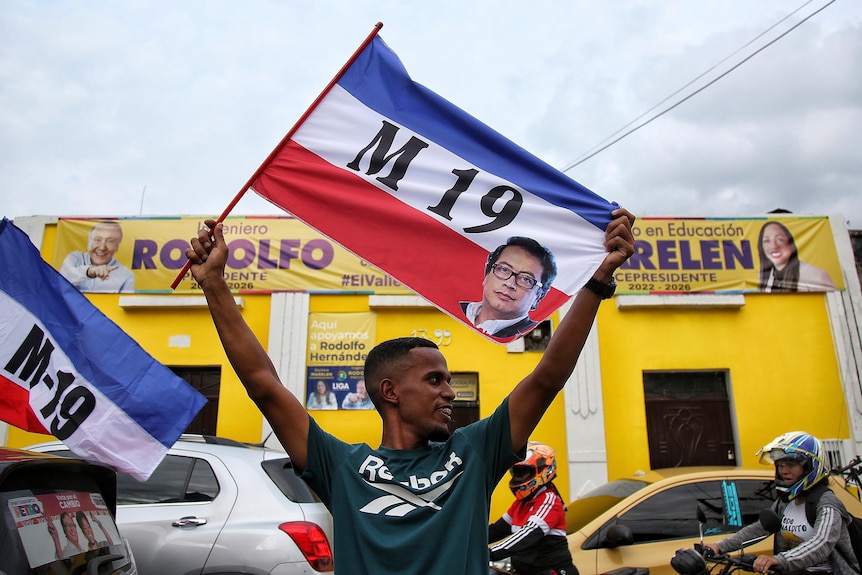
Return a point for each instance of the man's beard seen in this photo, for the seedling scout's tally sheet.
(440, 434)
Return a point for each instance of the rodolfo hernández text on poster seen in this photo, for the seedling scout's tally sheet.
(338, 344)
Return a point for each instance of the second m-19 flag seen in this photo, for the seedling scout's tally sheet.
(422, 190)
(68, 370)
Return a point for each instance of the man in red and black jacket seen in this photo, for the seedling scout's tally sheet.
(533, 531)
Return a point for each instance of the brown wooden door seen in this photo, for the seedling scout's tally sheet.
(207, 380)
(688, 419)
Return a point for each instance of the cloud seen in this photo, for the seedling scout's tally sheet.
(168, 108)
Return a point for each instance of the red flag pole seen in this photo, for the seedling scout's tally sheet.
(286, 139)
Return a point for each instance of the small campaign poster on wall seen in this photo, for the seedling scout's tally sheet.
(338, 344)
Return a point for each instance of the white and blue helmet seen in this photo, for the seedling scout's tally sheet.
(797, 446)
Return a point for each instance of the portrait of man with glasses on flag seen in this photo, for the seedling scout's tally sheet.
(518, 274)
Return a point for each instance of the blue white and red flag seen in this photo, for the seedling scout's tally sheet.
(68, 370)
(422, 190)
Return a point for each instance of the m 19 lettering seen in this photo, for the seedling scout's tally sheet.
(70, 404)
(490, 203)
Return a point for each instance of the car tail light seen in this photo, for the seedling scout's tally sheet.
(313, 543)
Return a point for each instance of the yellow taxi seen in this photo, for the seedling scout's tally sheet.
(641, 520)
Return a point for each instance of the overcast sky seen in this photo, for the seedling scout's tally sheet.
(168, 107)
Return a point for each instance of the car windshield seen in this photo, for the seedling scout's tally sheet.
(584, 509)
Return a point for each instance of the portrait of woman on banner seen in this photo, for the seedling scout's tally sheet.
(322, 397)
(781, 270)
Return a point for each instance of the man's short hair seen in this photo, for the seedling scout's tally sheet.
(383, 356)
(535, 249)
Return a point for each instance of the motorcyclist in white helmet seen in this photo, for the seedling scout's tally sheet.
(800, 547)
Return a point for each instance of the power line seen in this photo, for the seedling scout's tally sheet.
(604, 147)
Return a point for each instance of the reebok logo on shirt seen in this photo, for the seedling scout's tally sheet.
(413, 493)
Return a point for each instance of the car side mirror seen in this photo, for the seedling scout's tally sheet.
(619, 535)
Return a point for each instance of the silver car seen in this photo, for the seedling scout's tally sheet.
(219, 506)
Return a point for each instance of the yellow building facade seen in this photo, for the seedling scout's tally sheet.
(660, 372)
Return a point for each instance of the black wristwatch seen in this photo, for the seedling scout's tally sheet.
(605, 290)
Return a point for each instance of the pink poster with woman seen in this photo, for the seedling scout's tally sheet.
(62, 525)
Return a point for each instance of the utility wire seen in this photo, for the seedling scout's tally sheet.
(584, 158)
(726, 58)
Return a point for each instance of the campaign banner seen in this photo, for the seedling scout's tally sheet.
(68, 370)
(265, 254)
(409, 182)
(770, 254)
(338, 344)
(54, 526)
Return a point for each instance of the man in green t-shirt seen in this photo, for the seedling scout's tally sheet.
(419, 503)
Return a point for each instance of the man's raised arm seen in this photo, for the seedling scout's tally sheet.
(534, 394)
(286, 414)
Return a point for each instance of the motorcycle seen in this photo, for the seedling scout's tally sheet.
(700, 560)
(505, 566)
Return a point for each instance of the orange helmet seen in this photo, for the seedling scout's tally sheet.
(538, 468)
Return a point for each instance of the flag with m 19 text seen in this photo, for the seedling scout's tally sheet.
(422, 190)
(68, 370)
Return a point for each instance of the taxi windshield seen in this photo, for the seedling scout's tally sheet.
(584, 509)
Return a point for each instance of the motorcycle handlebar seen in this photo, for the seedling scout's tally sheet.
(734, 562)
(703, 561)
(855, 462)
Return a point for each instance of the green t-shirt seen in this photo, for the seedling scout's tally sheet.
(412, 511)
